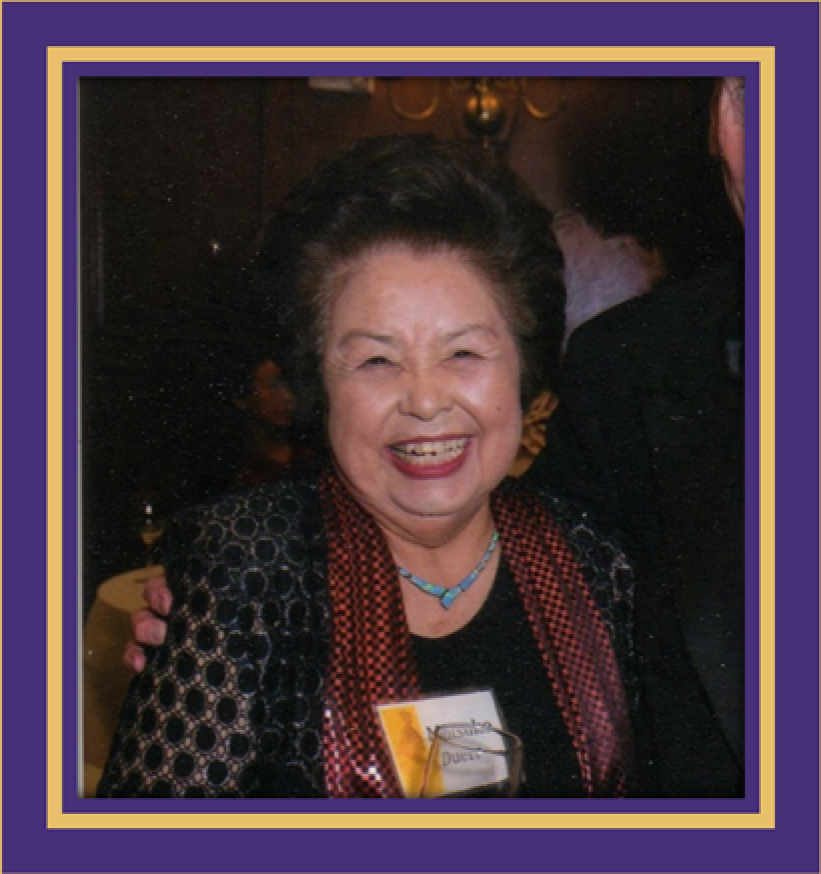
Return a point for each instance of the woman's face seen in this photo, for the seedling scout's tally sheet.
(422, 376)
(268, 400)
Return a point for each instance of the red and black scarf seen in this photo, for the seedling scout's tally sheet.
(371, 657)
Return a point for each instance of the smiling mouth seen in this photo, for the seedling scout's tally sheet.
(430, 452)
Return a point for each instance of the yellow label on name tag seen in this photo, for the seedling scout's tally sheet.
(409, 747)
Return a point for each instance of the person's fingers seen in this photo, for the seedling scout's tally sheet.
(157, 595)
(134, 657)
(147, 628)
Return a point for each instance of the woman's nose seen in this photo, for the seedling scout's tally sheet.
(425, 394)
(289, 398)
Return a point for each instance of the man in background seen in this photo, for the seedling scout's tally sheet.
(649, 433)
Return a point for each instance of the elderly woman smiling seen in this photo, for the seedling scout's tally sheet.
(422, 287)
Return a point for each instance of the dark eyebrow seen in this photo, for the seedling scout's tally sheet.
(470, 329)
(388, 340)
(351, 336)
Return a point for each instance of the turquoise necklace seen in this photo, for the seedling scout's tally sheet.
(445, 595)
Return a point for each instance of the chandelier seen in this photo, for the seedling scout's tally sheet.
(486, 107)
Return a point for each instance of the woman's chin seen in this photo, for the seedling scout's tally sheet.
(437, 501)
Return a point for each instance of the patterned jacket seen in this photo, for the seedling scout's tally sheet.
(231, 705)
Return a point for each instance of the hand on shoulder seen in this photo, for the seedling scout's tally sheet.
(147, 624)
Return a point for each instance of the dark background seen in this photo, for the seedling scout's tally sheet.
(177, 178)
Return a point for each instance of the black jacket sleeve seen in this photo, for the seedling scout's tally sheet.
(193, 720)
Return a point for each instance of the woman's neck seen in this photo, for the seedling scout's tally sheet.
(447, 563)
(443, 551)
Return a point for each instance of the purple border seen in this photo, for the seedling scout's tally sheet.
(74, 71)
(793, 29)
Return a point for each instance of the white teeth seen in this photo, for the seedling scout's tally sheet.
(431, 452)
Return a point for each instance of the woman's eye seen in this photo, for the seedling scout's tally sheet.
(376, 361)
(464, 353)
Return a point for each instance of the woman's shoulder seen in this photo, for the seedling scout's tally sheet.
(604, 563)
(273, 506)
(273, 524)
(578, 523)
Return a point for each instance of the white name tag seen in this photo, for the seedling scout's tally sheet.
(409, 728)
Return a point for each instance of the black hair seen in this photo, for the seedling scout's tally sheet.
(431, 195)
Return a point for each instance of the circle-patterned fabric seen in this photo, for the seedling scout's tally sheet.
(232, 704)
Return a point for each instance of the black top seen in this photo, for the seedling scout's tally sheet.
(497, 650)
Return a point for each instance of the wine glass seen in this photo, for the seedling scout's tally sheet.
(473, 759)
(149, 527)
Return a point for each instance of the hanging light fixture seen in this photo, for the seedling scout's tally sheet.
(487, 106)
